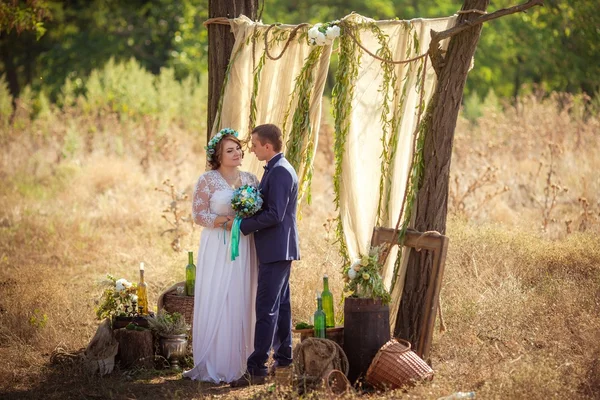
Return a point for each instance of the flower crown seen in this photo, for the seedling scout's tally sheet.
(212, 143)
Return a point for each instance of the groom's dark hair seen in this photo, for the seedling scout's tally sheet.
(269, 133)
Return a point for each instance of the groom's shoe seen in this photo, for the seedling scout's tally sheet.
(276, 367)
(248, 379)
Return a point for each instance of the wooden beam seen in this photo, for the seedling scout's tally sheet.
(438, 245)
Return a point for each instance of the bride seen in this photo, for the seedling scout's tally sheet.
(224, 315)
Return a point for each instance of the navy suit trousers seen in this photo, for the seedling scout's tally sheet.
(273, 317)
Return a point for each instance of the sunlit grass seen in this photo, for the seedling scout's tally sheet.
(520, 303)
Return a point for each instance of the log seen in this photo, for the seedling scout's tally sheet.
(136, 348)
(99, 356)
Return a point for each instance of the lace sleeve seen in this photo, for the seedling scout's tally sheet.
(251, 179)
(201, 204)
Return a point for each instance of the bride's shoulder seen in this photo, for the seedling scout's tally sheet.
(207, 176)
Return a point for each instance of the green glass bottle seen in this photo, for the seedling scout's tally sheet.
(319, 318)
(327, 303)
(190, 275)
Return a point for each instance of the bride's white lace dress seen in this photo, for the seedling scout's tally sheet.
(224, 315)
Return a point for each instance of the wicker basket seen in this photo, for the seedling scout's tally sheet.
(396, 365)
(171, 301)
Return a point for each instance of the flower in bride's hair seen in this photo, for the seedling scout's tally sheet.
(212, 143)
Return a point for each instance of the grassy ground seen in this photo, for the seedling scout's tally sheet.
(521, 290)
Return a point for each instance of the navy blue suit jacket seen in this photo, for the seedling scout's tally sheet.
(274, 227)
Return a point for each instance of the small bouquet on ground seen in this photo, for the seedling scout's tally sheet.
(118, 299)
(246, 202)
(363, 277)
(322, 34)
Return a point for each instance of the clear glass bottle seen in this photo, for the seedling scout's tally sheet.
(327, 298)
(319, 318)
(190, 275)
(142, 293)
(459, 395)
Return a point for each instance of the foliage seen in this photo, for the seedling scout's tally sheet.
(82, 35)
(21, 16)
(165, 323)
(118, 299)
(301, 131)
(342, 95)
(554, 46)
(363, 277)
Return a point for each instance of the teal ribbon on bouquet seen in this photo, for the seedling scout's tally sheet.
(235, 238)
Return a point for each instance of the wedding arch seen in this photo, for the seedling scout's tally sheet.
(385, 99)
(276, 76)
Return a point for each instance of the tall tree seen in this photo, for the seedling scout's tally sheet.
(220, 44)
(432, 198)
(16, 17)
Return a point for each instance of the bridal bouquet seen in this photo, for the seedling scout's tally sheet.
(246, 201)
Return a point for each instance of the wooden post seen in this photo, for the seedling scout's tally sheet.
(220, 44)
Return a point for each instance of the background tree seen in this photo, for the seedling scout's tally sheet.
(86, 34)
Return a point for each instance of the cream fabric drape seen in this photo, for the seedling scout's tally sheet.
(275, 90)
(361, 167)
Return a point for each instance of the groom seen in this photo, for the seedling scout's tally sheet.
(276, 240)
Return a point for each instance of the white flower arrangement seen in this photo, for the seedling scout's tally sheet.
(363, 277)
(323, 34)
(119, 298)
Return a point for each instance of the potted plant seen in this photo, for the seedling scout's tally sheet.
(171, 329)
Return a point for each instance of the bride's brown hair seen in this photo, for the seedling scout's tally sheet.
(215, 161)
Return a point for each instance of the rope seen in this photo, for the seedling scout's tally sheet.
(61, 356)
(225, 21)
(217, 20)
(287, 43)
(412, 163)
(425, 234)
(349, 30)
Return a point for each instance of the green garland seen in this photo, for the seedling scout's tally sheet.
(342, 95)
(301, 133)
(388, 124)
(255, 83)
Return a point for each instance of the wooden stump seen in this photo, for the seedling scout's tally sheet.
(135, 348)
(366, 329)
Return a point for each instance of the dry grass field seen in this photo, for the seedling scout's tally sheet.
(521, 291)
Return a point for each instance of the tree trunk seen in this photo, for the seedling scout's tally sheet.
(432, 197)
(9, 67)
(220, 44)
(136, 348)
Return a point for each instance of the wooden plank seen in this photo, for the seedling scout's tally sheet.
(438, 245)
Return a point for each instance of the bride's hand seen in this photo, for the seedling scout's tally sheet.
(220, 220)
